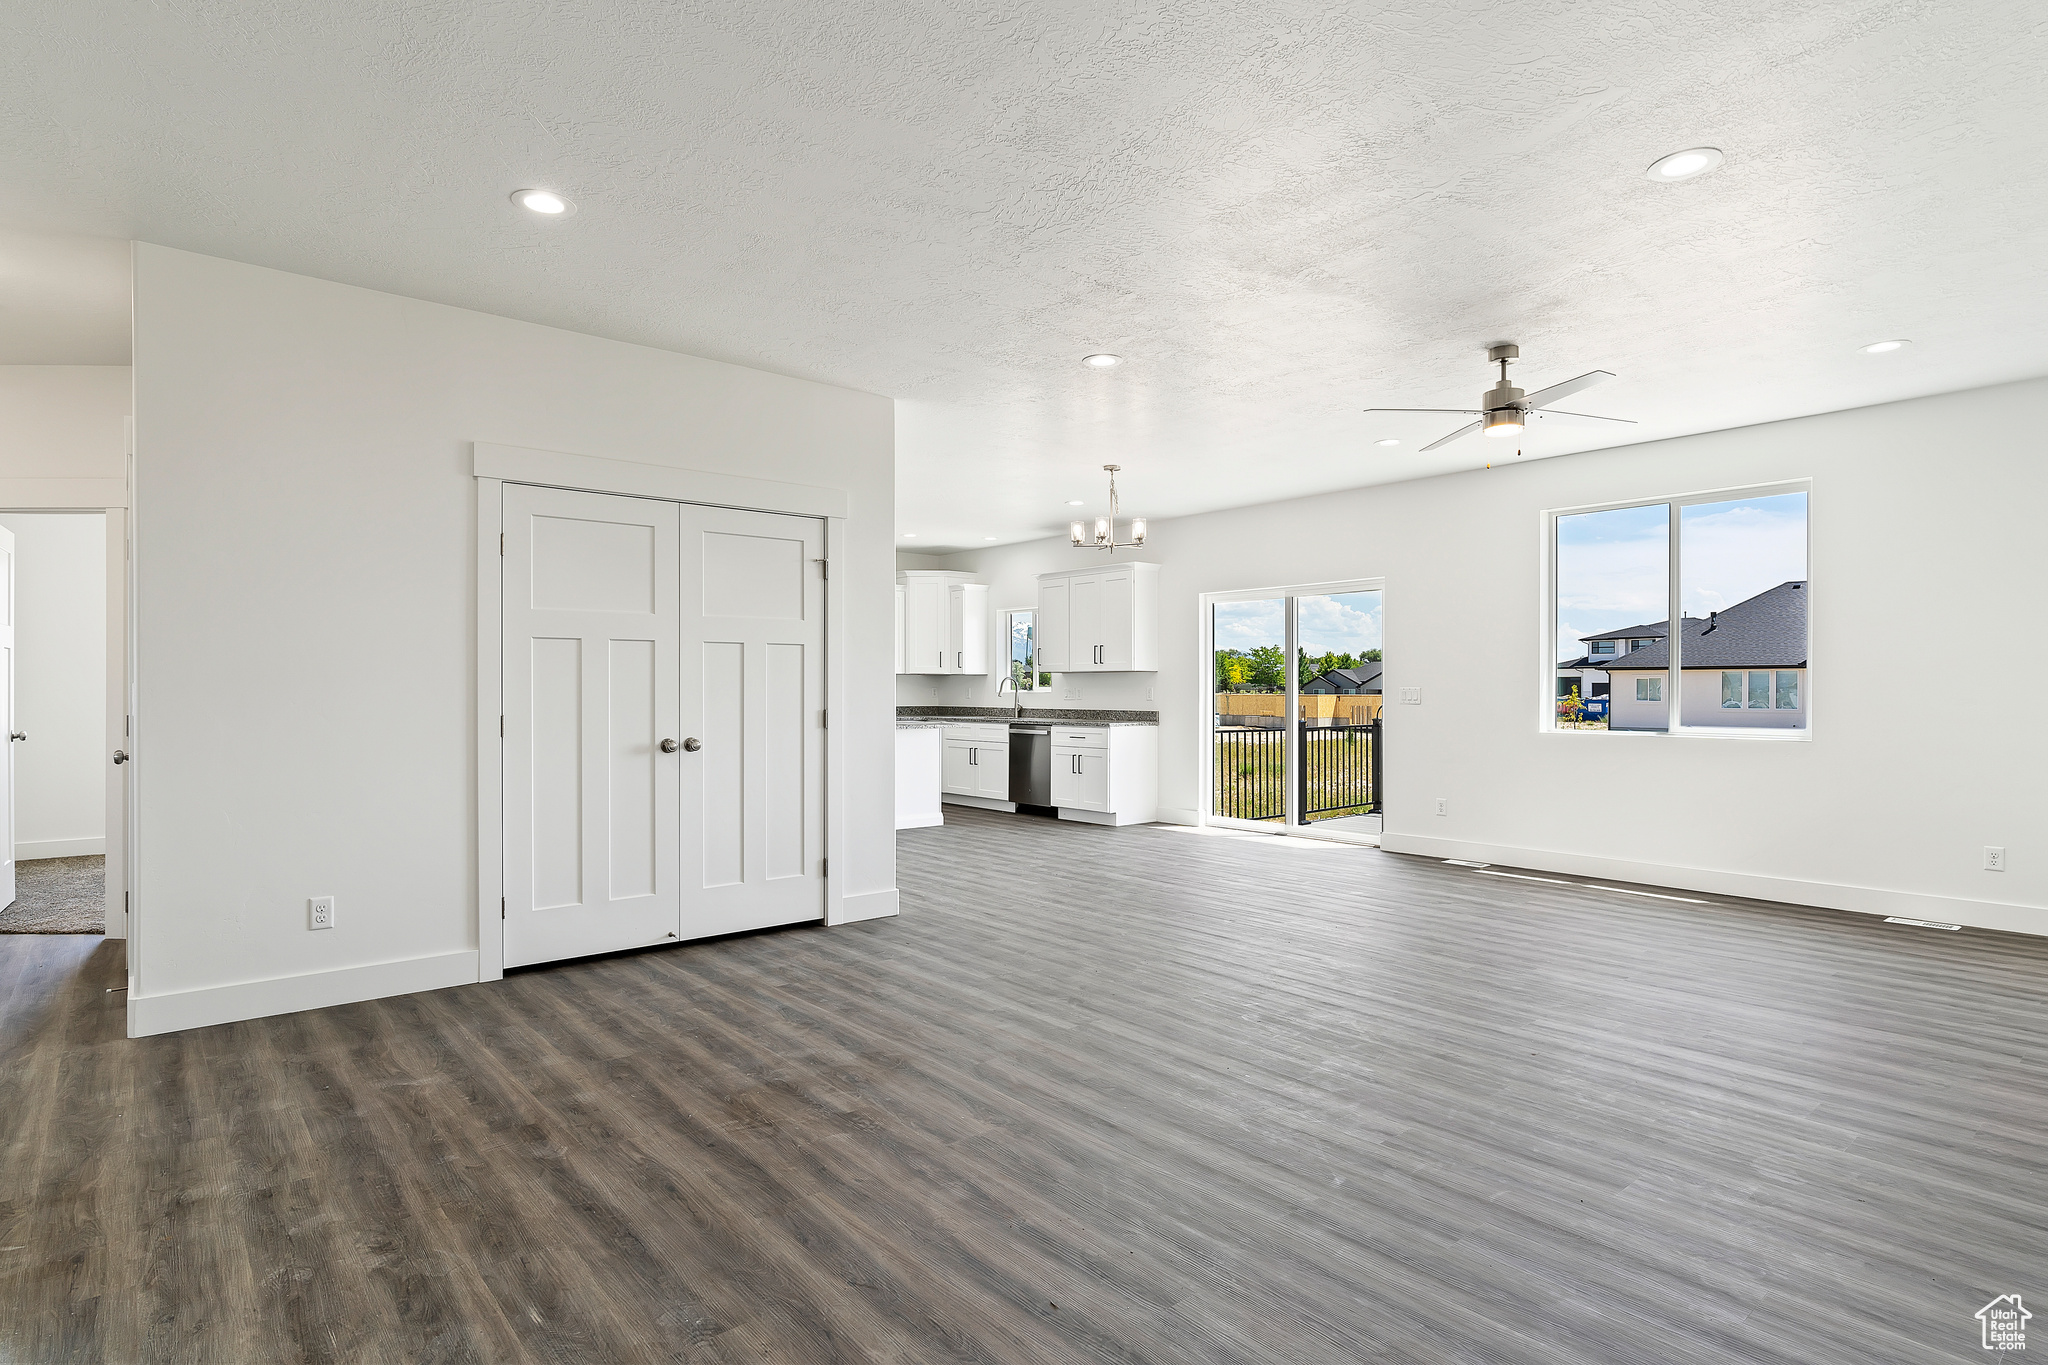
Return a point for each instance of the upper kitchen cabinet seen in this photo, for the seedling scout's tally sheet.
(945, 622)
(1103, 619)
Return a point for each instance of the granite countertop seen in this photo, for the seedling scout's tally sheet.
(1056, 715)
(918, 723)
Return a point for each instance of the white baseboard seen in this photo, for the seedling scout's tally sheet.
(983, 802)
(1174, 815)
(1861, 900)
(921, 821)
(29, 850)
(176, 1010)
(869, 905)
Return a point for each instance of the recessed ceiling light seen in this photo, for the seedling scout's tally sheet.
(1390, 441)
(988, 537)
(1685, 165)
(910, 535)
(1880, 347)
(1102, 362)
(1073, 502)
(545, 202)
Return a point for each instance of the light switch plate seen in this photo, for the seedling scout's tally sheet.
(1411, 696)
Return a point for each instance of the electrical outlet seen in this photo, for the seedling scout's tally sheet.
(1994, 859)
(1443, 805)
(322, 909)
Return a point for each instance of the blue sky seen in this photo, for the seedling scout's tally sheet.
(1332, 623)
(1612, 566)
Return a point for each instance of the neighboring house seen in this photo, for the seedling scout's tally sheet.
(1744, 666)
(1585, 672)
(1346, 682)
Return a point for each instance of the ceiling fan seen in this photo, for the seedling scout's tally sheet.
(1505, 409)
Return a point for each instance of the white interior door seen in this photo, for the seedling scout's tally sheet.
(7, 703)
(592, 649)
(753, 685)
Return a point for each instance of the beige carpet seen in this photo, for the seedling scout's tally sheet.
(58, 896)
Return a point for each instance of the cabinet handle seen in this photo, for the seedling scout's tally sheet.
(956, 660)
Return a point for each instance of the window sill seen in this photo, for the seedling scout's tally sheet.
(1745, 732)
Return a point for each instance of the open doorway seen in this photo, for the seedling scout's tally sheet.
(1294, 743)
(54, 648)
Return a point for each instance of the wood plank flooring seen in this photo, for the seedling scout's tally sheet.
(1098, 1095)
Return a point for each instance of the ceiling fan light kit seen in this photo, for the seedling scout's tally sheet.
(1505, 410)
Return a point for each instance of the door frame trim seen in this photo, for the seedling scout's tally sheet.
(1205, 678)
(494, 466)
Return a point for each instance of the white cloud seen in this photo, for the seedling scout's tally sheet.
(1340, 623)
(1729, 552)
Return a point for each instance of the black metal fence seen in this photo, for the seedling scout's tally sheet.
(1251, 774)
(1339, 772)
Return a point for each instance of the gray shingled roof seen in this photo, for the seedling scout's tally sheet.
(1655, 628)
(1366, 674)
(1766, 631)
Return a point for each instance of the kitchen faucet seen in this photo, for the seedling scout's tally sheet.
(1018, 696)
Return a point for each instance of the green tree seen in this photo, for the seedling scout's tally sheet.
(1268, 669)
(1232, 668)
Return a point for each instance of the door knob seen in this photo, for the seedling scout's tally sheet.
(669, 746)
(120, 755)
(693, 745)
(18, 735)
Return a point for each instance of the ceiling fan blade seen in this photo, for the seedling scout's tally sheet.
(1571, 417)
(1465, 430)
(1468, 412)
(1566, 389)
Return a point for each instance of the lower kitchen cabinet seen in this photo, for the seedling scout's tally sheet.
(977, 762)
(1106, 774)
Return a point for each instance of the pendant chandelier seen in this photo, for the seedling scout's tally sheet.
(1104, 537)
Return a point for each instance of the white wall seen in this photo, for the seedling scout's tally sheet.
(1924, 527)
(306, 551)
(62, 422)
(60, 683)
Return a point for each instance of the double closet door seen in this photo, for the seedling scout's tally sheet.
(664, 733)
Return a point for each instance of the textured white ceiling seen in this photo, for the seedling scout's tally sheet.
(1280, 213)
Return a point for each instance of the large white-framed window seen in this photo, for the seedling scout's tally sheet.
(1711, 596)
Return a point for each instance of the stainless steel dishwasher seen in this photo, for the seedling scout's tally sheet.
(1031, 765)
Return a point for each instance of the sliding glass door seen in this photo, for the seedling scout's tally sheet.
(1294, 739)
(1248, 725)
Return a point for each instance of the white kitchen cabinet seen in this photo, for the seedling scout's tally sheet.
(899, 627)
(1053, 626)
(967, 626)
(945, 622)
(919, 759)
(977, 762)
(1080, 779)
(1106, 774)
(1103, 619)
(977, 770)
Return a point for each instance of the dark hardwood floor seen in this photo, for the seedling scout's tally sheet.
(1126, 1095)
